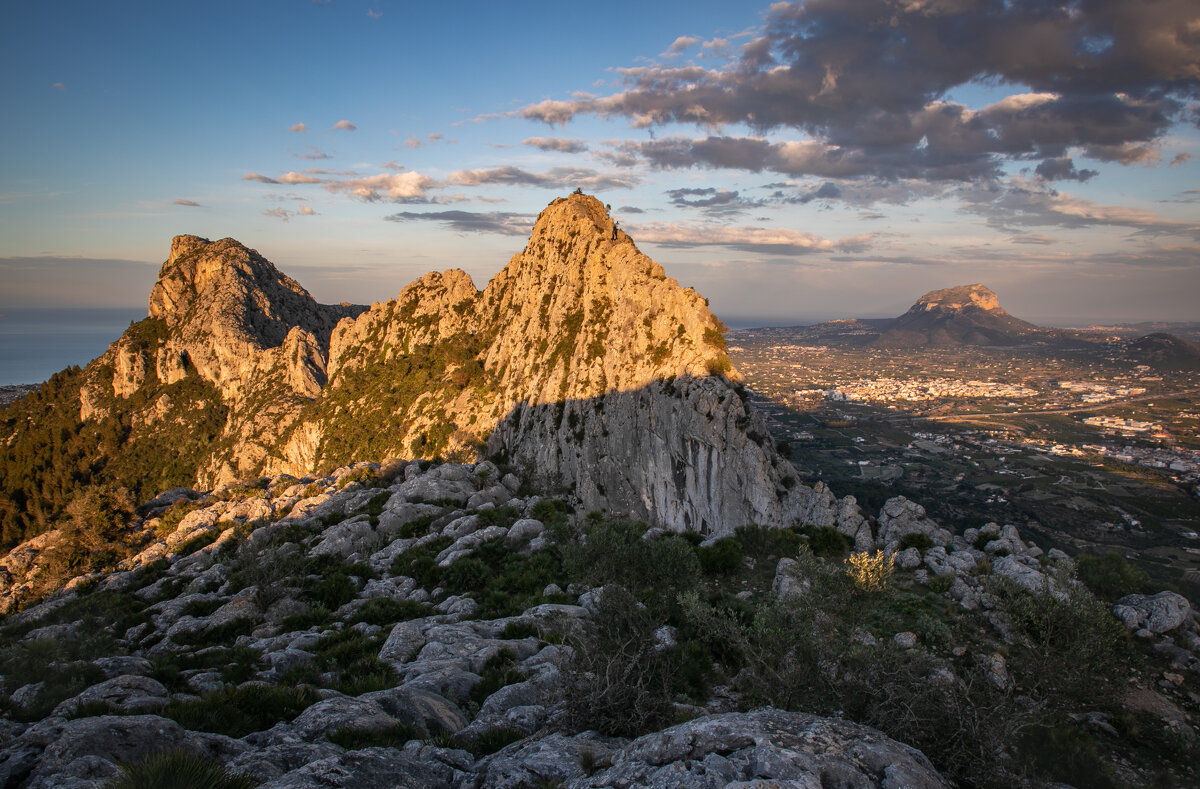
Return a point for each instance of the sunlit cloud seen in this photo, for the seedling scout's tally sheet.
(556, 144)
(262, 179)
(181, 201)
(507, 224)
(397, 187)
(297, 127)
(555, 177)
(344, 126)
(298, 178)
(780, 241)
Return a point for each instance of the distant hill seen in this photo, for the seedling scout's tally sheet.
(1164, 352)
(965, 315)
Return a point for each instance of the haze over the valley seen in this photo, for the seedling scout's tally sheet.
(793, 162)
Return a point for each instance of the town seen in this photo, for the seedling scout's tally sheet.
(1085, 448)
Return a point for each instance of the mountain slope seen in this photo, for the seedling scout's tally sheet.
(580, 362)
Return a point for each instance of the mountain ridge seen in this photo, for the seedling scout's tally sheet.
(581, 361)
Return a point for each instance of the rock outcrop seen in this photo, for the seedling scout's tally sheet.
(581, 363)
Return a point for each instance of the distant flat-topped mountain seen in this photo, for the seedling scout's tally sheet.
(965, 315)
(581, 363)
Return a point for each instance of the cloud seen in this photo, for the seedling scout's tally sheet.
(864, 86)
(397, 187)
(298, 178)
(507, 224)
(554, 178)
(1021, 203)
(712, 200)
(59, 86)
(262, 179)
(556, 144)
(298, 127)
(1063, 169)
(181, 201)
(413, 142)
(679, 45)
(775, 241)
(371, 12)
(344, 126)
(285, 215)
(312, 154)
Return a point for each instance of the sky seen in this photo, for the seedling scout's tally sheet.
(791, 161)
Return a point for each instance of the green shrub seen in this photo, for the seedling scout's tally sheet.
(236, 712)
(1065, 752)
(723, 557)
(394, 736)
(617, 682)
(499, 671)
(179, 770)
(492, 740)
(1110, 577)
(654, 571)
(222, 634)
(317, 616)
(827, 541)
(922, 542)
(386, 611)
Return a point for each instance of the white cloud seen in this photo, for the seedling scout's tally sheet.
(298, 178)
(386, 186)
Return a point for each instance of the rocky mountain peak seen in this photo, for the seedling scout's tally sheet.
(959, 298)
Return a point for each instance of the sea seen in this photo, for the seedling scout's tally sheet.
(37, 342)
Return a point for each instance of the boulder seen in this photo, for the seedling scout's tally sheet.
(1160, 613)
(369, 767)
(128, 693)
(754, 748)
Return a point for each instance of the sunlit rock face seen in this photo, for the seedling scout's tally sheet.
(581, 362)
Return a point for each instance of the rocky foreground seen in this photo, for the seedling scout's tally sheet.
(288, 629)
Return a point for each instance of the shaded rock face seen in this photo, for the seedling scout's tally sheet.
(580, 361)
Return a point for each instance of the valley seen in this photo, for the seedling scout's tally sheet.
(1085, 447)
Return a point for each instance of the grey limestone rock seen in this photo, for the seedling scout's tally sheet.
(768, 747)
(368, 768)
(128, 693)
(1160, 613)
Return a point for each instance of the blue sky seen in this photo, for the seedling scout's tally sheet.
(792, 162)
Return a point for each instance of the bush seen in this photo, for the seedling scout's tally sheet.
(871, 572)
(827, 541)
(391, 737)
(1110, 577)
(654, 571)
(922, 542)
(236, 712)
(723, 557)
(617, 683)
(386, 611)
(179, 770)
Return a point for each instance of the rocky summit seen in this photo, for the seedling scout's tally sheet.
(581, 362)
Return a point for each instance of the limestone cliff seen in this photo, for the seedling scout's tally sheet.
(581, 362)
